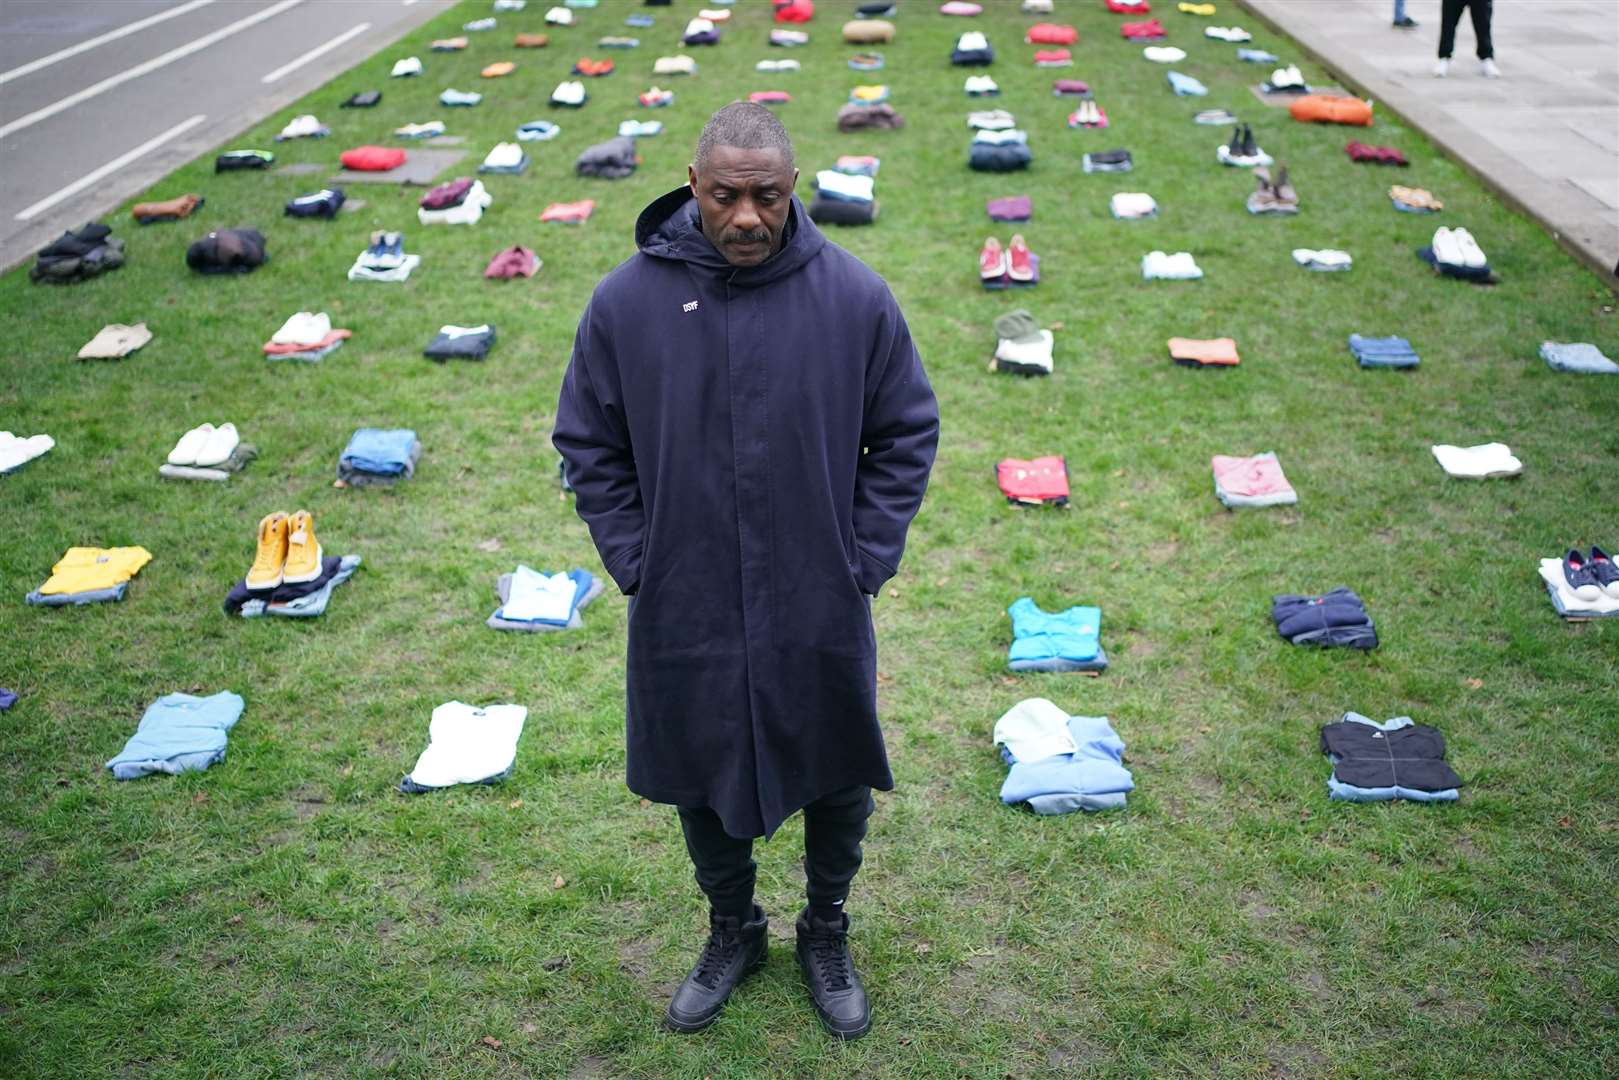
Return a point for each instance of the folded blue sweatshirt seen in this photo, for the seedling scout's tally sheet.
(1091, 778)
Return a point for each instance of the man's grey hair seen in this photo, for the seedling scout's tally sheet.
(745, 126)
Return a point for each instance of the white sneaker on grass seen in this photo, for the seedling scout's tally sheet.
(190, 445)
(1472, 254)
(217, 448)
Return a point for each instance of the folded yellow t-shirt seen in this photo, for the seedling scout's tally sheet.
(83, 569)
(1197, 9)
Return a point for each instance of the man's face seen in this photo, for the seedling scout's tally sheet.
(742, 199)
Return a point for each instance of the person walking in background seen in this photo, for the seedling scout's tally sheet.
(1450, 15)
(1402, 21)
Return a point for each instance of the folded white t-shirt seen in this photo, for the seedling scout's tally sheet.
(467, 744)
(1478, 462)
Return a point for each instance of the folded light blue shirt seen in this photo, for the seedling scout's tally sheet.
(179, 733)
(1092, 778)
(375, 450)
(1186, 86)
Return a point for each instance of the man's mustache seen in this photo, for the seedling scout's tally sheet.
(760, 236)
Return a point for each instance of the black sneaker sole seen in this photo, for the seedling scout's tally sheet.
(846, 1036)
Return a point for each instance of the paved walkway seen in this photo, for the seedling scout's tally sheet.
(1545, 135)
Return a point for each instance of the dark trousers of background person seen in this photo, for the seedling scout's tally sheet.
(834, 826)
(1451, 14)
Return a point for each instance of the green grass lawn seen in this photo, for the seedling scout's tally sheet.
(288, 913)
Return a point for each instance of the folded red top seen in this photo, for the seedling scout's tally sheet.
(1051, 34)
(795, 11)
(1045, 479)
(1053, 56)
(372, 158)
(1124, 7)
(1152, 28)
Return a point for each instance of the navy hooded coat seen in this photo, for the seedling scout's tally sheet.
(748, 446)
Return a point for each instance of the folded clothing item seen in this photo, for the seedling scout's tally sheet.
(1231, 34)
(365, 99)
(301, 328)
(972, 50)
(1156, 265)
(863, 117)
(78, 255)
(1025, 356)
(617, 41)
(461, 343)
(1050, 34)
(372, 158)
(538, 131)
(467, 745)
(1010, 208)
(452, 44)
(228, 251)
(592, 69)
(178, 733)
(1186, 86)
(1040, 482)
(409, 67)
(858, 164)
(770, 97)
(243, 160)
(1007, 281)
(115, 341)
(868, 95)
(849, 188)
(1008, 156)
(382, 452)
(826, 210)
(1051, 58)
(1164, 54)
(459, 98)
(795, 11)
(1386, 352)
(240, 455)
(1149, 30)
(1414, 200)
(503, 586)
(1258, 158)
(1258, 56)
(1068, 640)
(1128, 7)
(552, 599)
(570, 213)
(1326, 259)
(981, 86)
(779, 66)
(1133, 204)
(149, 213)
(498, 70)
(1107, 161)
(459, 202)
(868, 32)
(304, 600)
(1197, 352)
(1334, 618)
(1215, 118)
(1377, 155)
(303, 127)
(960, 8)
(384, 260)
(1060, 763)
(514, 262)
(788, 39)
(17, 450)
(324, 203)
(420, 131)
(1251, 481)
(1398, 759)
(531, 41)
(1477, 462)
(610, 160)
(1070, 88)
(85, 570)
(991, 120)
(479, 25)
(1330, 109)
(865, 61)
(1581, 357)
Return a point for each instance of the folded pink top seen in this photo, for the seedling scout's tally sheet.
(276, 348)
(568, 211)
(1250, 476)
(1211, 351)
(1040, 480)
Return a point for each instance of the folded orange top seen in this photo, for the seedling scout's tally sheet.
(1325, 109)
(276, 348)
(531, 41)
(1211, 351)
(496, 70)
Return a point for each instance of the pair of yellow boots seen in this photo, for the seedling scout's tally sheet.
(288, 551)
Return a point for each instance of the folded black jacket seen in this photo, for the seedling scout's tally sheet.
(363, 100)
(1412, 757)
(612, 159)
(322, 204)
(1111, 157)
(1335, 618)
(825, 211)
(78, 254)
(999, 157)
(232, 160)
(227, 251)
(461, 347)
(240, 594)
(972, 57)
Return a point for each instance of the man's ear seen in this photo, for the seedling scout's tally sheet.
(691, 178)
(795, 179)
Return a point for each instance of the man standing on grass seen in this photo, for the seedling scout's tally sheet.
(749, 432)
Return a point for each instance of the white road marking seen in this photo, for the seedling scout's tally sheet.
(147, 68)
(312, 54)
(96, 42)
(110, 167)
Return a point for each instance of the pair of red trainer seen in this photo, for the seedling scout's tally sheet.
(1013, 261)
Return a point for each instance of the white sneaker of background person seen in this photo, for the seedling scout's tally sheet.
(1472, 254)
(1488, 69)
(190, 445)
(1441, 69)
(217, 448)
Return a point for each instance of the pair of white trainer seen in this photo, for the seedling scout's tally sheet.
(1456, 247)
(206, 446)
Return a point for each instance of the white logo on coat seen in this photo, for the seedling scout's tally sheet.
(689, 305)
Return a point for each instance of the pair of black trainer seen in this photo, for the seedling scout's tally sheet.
(736, 948)
(1242, 144)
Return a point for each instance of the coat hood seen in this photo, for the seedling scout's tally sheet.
(669, 229)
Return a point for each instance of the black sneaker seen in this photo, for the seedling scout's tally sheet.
(1604, 572)
(1249, 147)
(1235, 145)
(1405, 23)
(734, 949)
(834, 984)
(1582, 580)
